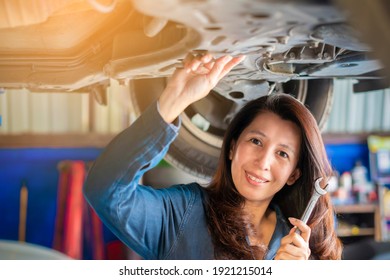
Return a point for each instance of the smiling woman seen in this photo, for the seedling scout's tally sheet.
(271, 154)
(265, 156)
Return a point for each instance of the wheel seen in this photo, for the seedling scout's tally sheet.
(196, 149)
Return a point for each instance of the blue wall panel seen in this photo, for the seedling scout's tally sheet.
(38, 169)
(344, 156)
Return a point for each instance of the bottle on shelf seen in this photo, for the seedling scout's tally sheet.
(361, 187)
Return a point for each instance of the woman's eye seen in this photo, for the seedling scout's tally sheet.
(283, 154)
(256, 141)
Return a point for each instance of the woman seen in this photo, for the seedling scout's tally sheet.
(272, 153)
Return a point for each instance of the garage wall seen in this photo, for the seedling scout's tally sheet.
(358, 112)
(25, 112)
(22, 111)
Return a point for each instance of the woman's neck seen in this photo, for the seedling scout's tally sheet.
(263, 220)
(256, 212)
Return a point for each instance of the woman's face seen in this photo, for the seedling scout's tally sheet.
(265, 157)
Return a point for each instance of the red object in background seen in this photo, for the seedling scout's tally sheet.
(372, 196)
(93, 234)
(77, 226)
(72, 242)
(117, 250)
(61, 198)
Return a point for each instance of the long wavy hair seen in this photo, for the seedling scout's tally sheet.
(228, 223)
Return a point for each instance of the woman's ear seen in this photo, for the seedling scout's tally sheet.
(294, 176)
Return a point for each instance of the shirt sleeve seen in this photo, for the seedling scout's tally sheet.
(144, 218)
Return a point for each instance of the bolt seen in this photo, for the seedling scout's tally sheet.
(313, 44)
(282, 39)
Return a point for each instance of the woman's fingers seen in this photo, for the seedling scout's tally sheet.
(291, 252)
(199, 74)
(195, 61)
(304, 228)
(216, 71)
(231, 64)
(295, 246)
(222, 66)
(205, 63)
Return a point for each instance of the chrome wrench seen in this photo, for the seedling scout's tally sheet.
(318, 191)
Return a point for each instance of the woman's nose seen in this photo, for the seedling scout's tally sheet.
(264, 160)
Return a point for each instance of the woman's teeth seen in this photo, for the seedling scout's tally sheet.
(255, 179)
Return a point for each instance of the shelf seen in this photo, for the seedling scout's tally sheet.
(65, 140)
(343, 138)
(355, 231)
(356, 208)
(358, 220)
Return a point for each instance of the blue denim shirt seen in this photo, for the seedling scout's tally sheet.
(165, 223)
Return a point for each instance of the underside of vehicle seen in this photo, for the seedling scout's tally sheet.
(294, 47)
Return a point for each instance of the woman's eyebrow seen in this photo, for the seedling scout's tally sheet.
(287, 147)
(258, 132)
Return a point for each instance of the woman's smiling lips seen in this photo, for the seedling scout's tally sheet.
(255, 180)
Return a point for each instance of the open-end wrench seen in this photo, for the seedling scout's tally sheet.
(318, 191)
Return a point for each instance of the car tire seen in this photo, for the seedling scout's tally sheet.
(195, 151)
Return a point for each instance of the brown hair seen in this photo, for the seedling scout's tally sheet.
(228, 223)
